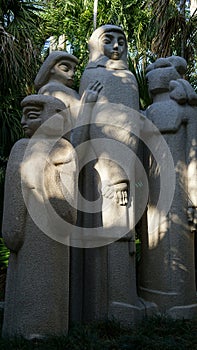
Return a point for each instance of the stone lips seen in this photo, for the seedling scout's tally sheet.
(47, 219)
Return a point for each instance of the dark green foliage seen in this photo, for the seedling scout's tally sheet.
(4, 255)
(173, 31)
(3, 162)
(74, 19)
(138, 69)
(152, 334)
(19, 57)
(11, 129)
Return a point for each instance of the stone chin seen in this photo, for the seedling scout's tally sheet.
(115, 56)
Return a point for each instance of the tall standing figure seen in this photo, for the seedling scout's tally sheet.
(109, 279)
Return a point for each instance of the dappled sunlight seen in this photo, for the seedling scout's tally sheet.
(125, 78)
(157, 226)
(192, 173)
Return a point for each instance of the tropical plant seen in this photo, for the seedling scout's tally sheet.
(4, 255)
(76, 19)
(173, 30)
(19, 51)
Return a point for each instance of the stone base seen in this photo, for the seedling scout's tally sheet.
(129, 315)
(185, 311)
(151, 308)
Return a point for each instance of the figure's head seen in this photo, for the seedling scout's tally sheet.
(38, 109)
(110, 41)
(60, 66)
(162, 71)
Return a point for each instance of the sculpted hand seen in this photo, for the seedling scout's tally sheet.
(118, 192)
(92, 92)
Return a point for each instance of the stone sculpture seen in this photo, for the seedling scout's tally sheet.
(37, 287)
(109, 281)
(108, 64)
(167, 274)
(56, 78)
(50, 284)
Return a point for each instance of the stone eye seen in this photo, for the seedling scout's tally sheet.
(106, 41)
(121, 42)
(32, 115)
(64, 68)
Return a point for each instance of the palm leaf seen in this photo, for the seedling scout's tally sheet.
(4, 254)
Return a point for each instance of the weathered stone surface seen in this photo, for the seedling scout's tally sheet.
(167, 274)
(108, 65)
(37, 288)
(109, 278)
(50, 284)
(56, 78)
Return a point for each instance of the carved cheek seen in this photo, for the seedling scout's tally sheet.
(107, 50)
(34, 124)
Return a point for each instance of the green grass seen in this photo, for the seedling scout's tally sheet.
(154, 333)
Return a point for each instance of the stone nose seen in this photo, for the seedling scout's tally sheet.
(71, 74)
(23, 122)
(115, 45)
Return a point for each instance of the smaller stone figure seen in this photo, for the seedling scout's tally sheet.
(167, 274)
(56, 78)
(37, 287)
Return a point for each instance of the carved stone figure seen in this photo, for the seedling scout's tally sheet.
(37, 287)
(56, 78)
(50, 284)
(108, 281)
(108, 64)
(167, 274)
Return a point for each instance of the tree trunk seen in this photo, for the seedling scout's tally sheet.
(95, 12)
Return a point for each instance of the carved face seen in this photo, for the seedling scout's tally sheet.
(159, 79)
(112, 44)
(64, 71)
(31, 119)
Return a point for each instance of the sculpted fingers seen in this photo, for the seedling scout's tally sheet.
(125, 199)
(108, 192)
(117, 192)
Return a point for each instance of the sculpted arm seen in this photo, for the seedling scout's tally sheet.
(14, 214)
(182, 92)
(88, 100)
(60, 179)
